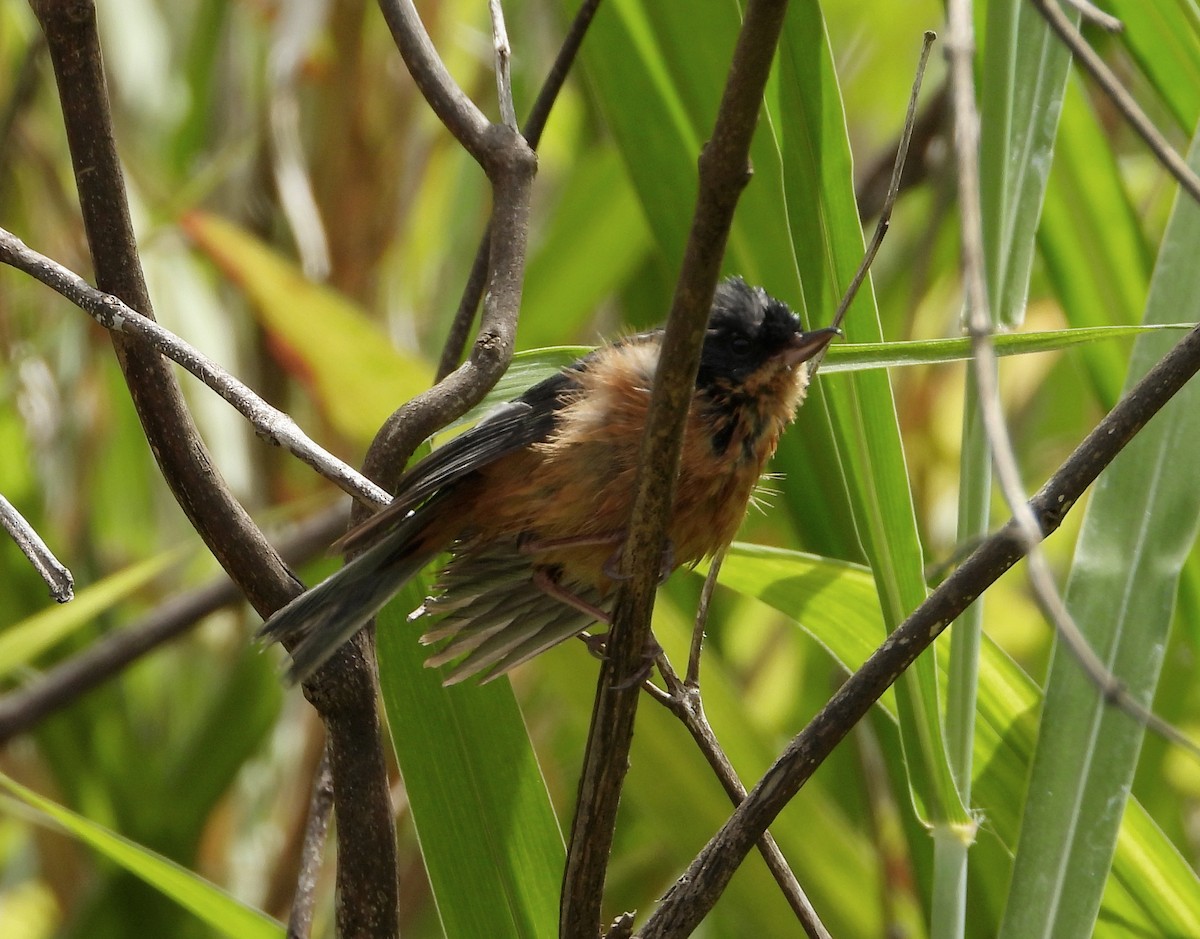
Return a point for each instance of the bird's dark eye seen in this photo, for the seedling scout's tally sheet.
(740, 345)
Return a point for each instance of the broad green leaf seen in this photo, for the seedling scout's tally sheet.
(1139, 527)
(357, 376)
(1164, 39)
(593, 242)
(220, 911)
(23, 642)
(827, 240)
(1091, 240)
(1024, 71)
(488, 833)
(1152, 888)
(829, 598)
(624, 58)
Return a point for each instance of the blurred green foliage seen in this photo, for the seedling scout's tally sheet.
(197, 754)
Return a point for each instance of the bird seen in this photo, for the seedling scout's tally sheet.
(532, 503)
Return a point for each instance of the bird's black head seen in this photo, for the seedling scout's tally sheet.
(748, 330)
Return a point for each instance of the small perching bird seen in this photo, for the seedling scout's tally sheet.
(532, 503)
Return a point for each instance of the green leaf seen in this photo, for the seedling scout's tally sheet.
(827, 241)
(356, 374)
(1024, 71)
(23, 642)
(1091, 240)
(591, 245)
(1152, 890)
(488, 833)
(845, 357)
(1164, 39)
(207, 901)
(1139, 526)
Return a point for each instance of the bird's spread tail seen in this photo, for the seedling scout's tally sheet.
(492, 616)
(317, 622)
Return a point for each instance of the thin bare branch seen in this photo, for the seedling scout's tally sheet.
(269, 423)
(344, 693)
(315, 832)
(510, 165)
(695, 892)
(966, 121)
(24, 707)
(449, 102)
(1096, 67)
(683, 700)
(889, 202)
(508, 114)
(535, 123)
(49, 568)
(1097, 17)
(723, 173)
(706, 595)
(72, 41)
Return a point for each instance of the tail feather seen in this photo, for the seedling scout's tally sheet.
(490, 615)
(319, 621)
(548, 624)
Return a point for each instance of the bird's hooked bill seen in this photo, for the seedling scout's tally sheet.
(804, 346)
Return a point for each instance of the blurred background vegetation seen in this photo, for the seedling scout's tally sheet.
(305, 221)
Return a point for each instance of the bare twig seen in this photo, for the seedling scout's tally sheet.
(510, 166)
(70, 30)
(925, 158)
(535, 123)
(683, 700)
(344, 693)
(108, 656)
(889, 202)
(706, 594)
(1096, 67)
(56, 576)
(269, 423)
(723, 173)
(1097, 17)
(508, 114)
(693, 895)
(315, 831)
(449, 102)
(979, 322)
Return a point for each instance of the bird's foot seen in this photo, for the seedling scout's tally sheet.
(531, 544)
(545, 582)
(597, 645)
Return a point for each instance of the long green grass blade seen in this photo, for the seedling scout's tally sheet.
(222, 912)
(1139, 527)
(827, 239)
(488, 833)
(22, 642)
(1152, 890)
(1024, 68)
(1164, 39)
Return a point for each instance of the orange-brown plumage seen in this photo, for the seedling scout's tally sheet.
(532, 503)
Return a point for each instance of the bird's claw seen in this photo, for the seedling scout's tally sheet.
(597, 645)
